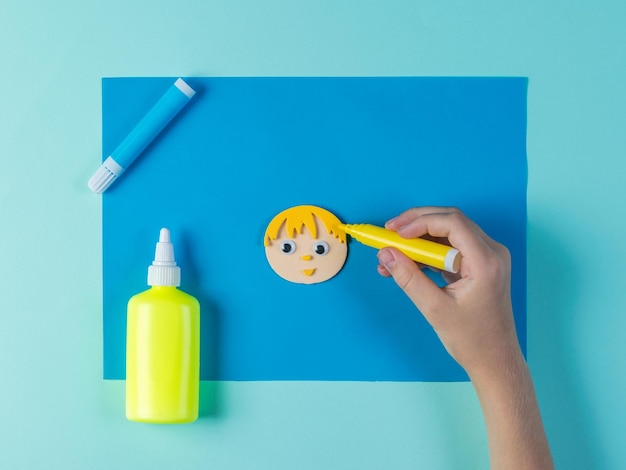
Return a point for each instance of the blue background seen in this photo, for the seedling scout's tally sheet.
(55, 409)
(247, 148)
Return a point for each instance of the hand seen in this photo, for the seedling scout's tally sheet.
(473, 317)
(473, 314)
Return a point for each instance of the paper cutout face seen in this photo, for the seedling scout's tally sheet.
(303, 245)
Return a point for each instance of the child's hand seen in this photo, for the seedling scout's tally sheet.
(473, 314)
(473, 317)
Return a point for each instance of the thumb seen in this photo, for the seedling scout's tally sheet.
(424, 293)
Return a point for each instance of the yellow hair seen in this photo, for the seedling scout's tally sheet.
(297, 217)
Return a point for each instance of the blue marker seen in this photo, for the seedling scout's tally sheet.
(170, 104)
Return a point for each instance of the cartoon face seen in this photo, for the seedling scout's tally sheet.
(303, 245)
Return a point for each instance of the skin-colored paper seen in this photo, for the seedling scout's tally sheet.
(303, 244)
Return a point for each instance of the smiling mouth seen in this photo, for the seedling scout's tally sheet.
(308, 272)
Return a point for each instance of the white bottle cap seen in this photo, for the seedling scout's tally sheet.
(163, 271)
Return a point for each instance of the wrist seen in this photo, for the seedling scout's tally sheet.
(504, 366)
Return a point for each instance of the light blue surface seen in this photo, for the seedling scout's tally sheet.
(54, 55)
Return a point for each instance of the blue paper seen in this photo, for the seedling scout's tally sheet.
(363, 148)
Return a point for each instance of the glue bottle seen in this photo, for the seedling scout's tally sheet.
(163, 345)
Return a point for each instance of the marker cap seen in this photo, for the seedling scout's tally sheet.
(104, 176)
(452, 261)
(184, 87)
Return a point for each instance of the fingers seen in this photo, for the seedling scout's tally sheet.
(450, 278)
(447, 223)
(424, 293)
(414, 213)
(482, 257)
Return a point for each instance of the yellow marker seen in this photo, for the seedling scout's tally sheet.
(423, 251)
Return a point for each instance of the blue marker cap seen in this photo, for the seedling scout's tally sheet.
(159, 116)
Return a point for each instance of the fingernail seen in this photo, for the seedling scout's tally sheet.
(390, 222)
(386, 258)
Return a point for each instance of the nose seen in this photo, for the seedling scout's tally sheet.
(306, 257)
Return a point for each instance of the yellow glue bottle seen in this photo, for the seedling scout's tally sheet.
(163, 345)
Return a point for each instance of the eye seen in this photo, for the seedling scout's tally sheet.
(320, 248)
(288, 247)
